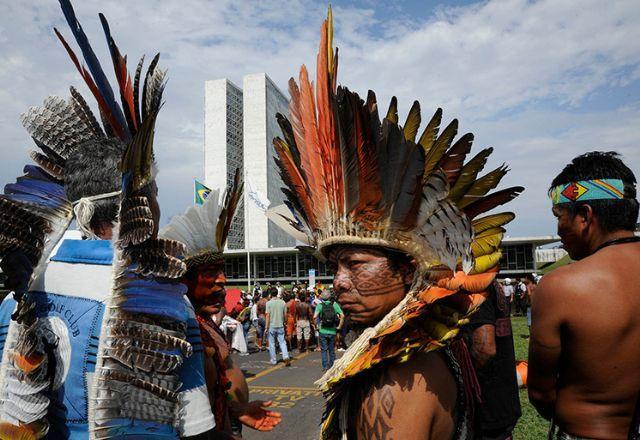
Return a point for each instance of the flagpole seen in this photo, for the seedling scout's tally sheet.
(246, 232)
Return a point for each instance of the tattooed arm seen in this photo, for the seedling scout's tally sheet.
(415, 399)
(483, 348)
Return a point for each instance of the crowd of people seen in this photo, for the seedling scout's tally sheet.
(296, 318)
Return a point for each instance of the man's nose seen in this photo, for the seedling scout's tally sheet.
(221, 279)
(341, 282)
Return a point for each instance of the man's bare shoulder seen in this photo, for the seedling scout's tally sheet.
(413, 399)
(569, 280)
(424, 377)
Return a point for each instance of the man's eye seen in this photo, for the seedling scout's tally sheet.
(355, 263)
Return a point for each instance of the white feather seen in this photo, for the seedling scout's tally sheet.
(196, 228)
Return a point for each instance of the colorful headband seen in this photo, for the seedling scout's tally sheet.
(597, 189)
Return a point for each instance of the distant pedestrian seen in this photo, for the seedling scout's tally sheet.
(276, 316)
(530, 287)
(244, 317)
(261, 309)
(330, 317)
(291, 318)
(304, 322)
(508, 292)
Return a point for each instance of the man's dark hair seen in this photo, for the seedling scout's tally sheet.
(613, 215)
(92, 170)
(302, 297)
(273, 292)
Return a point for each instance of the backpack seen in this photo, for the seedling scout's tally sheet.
(328, 317)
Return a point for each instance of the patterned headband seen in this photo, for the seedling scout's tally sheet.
(596, 189)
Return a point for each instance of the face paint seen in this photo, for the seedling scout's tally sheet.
(366, 284)
(207, 289)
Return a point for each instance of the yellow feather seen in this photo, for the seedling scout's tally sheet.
(491, 231)
(441, 145)
(486, 262)
(492, 221)
(412, 123)
(392, 113)
(486, 245)
(482, 186)
(430, 133)
(468, 174)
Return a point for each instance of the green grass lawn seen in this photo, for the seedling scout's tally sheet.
(530, 426)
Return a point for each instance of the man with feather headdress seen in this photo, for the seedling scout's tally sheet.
(51, 325)
(204, 230)
(397, 218)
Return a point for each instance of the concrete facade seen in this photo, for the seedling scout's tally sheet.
(223, 145)
(240, 125)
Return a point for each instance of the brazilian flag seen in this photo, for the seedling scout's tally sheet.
(201, 192)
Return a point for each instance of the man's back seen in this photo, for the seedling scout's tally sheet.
(596, 303)
(303, 311)
(262, 306)
(276, 308)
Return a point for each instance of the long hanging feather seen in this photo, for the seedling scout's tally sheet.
(123, 77)
(231, 200)
(136, 91)
(105, 110)
(99, 78)
(145, 88)
(83, 112)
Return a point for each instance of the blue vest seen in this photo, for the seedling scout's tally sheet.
(73, 288)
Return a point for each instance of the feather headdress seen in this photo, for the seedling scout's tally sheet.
(204, 228)
(354, 179)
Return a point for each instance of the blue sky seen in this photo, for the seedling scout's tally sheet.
(540, 81)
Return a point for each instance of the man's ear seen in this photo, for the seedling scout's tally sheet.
(586, 213)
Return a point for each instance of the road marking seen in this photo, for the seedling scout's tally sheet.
(263, 387)
(275, 367)
(285, 397)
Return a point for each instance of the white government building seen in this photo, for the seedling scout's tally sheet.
(240, 124)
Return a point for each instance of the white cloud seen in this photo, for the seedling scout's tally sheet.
(519, 74)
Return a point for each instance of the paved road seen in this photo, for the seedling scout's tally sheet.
(292, 391)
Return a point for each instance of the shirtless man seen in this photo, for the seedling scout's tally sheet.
(206, 291)
(304, 321)
(584, 351)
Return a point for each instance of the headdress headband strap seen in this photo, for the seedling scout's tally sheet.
(84, 209)
(580, 191)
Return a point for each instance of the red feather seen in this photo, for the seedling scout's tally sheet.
(294, 179)
(104, 108)
(328, 144)
(310, 155)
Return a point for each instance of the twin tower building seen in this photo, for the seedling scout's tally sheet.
(240, 125)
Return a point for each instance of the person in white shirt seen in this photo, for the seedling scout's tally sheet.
(508, 292)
